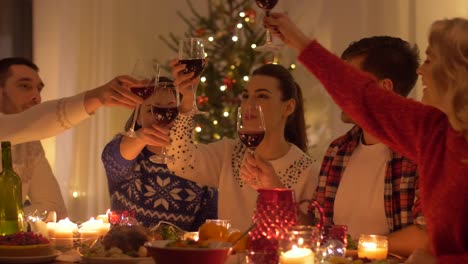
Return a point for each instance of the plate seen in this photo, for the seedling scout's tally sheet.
(31, 259)
(110, 260)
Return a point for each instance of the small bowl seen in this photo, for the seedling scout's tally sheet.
(169, 255)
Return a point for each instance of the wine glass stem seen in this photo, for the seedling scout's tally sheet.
(194, 90)
(267, 32)
(163, 152)
(255, 180)
(268, 37)
(135, 116)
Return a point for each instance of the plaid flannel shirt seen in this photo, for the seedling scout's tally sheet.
(401, 182)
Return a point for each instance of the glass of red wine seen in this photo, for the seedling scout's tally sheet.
(192, 54)
(251, 127)
(267, 6)
(164, 108)
(146, 73)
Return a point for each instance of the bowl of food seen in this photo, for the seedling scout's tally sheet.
(25, 244)
(188, 252)
(122, 244)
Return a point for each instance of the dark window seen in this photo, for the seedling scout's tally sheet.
(16, 28)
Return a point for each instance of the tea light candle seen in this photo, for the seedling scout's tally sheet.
(372, 247)
(93, 228)
(104, 217)
(63, 233)
(37, 225)
(50, 229)
(297, 256)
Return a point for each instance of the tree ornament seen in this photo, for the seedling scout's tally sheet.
(200, 32)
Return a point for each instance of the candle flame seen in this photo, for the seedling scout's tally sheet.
(369, 245)
(300, 241)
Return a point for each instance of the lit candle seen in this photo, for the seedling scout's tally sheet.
(104, 217)
(297, 256)
(38, 226)
(50, 229)
(372, 247)
(93, 228)
(63, 233)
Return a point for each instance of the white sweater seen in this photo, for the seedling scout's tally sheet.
(43, 120)
(218, 164)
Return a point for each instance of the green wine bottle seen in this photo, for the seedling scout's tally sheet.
(11, 201)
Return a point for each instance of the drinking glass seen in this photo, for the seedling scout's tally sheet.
(251, 126)
(267, 6)
(372, 247)
(192, 54)
(146, 72)
(164, 108)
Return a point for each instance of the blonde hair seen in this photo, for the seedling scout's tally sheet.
(448, 40)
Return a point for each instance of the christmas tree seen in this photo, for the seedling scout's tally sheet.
(230, 31)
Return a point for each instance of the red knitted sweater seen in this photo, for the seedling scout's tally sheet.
(419, 132)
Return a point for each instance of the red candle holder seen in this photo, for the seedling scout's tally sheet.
(336, 232)
(116, 217)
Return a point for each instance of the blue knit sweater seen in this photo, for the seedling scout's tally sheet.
(154, 193)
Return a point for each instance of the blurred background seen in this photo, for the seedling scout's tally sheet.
(81, 44)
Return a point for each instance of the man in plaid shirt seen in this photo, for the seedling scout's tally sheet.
(363, 184)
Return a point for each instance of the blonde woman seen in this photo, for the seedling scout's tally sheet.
(435, 135)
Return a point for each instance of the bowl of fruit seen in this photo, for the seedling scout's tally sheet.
(213, 245)
(188, 251)
(26, 247)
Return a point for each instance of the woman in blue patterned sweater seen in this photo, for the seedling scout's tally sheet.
(149, 189)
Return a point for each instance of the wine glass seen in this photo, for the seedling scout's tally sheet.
(164, 108)
(250, 126)
(267, 6)
(146, 72)
(192, 54)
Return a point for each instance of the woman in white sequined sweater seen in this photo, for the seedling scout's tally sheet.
(223, 164)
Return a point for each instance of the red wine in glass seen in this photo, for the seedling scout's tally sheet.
(251, 138)
(193, 65)
(143, 91)
(266, 4)
(164, 115)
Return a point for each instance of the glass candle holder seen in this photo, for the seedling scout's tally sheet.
(301, 245)
(372, 247)
(117, 216)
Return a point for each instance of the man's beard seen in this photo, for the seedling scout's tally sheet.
(6, 106)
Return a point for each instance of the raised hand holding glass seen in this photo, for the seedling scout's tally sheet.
(267, 6)
(146, 72)
(164, 108)
(251, 128)
(192, 54)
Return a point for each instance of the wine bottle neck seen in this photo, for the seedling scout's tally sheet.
(6, 156)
